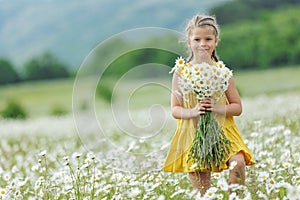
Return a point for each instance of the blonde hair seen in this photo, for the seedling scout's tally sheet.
(201, 21)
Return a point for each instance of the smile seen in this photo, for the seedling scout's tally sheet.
(202, 49)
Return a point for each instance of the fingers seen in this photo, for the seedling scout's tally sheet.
(206, 105)
(200, 109)
(208, 100)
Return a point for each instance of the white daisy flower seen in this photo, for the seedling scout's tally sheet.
(293, 192)
(134, 192)
(43, 153)
(211, 193)
(217, 175)
(179, 62)
(220, 196)
(222, 184)
(3, 192)
(107, 188)
(76, 155)
(286, 165)
(262, 176)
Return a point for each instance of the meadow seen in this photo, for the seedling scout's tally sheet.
(116, 151)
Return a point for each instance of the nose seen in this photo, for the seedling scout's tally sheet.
(202, 43)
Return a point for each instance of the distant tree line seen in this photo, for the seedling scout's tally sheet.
(270, 41)
(254, 35)
(237, 10)
(134, 56)
(8, 74)
(45, 66)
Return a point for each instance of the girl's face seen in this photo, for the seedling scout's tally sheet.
(202, 40)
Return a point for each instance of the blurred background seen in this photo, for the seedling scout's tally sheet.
(85, 79)
(44, 43)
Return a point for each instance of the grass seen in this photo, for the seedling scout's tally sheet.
(43, 157)
(39, 97)
(269, 81)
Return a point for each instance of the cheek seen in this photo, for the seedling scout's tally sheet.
(193, 44)
(190, 45)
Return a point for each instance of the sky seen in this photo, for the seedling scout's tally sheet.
(70, 29)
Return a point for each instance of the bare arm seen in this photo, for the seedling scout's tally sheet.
(178, 111)
(234, 108)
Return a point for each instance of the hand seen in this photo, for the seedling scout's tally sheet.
(207, 104)
(203, 106)
(211, 106)
(197, 110)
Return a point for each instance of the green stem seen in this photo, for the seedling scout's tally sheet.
(210, 145)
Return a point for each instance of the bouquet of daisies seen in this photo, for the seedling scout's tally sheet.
(210, 145)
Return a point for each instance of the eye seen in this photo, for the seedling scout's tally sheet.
(197, 39)
(208, 38)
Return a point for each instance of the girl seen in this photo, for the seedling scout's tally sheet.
(202, 38)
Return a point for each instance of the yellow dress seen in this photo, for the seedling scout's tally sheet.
(181, 143)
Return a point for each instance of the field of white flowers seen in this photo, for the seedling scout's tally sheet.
(48, 158)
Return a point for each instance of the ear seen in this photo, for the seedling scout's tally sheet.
(217, 41)
(188, 42)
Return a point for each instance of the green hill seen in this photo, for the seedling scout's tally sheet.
(41, 98)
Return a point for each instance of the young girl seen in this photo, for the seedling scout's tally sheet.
(202, 38)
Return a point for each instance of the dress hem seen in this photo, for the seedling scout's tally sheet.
(248, 162)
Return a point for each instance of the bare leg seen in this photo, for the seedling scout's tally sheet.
(237, 174)
(200, 181)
